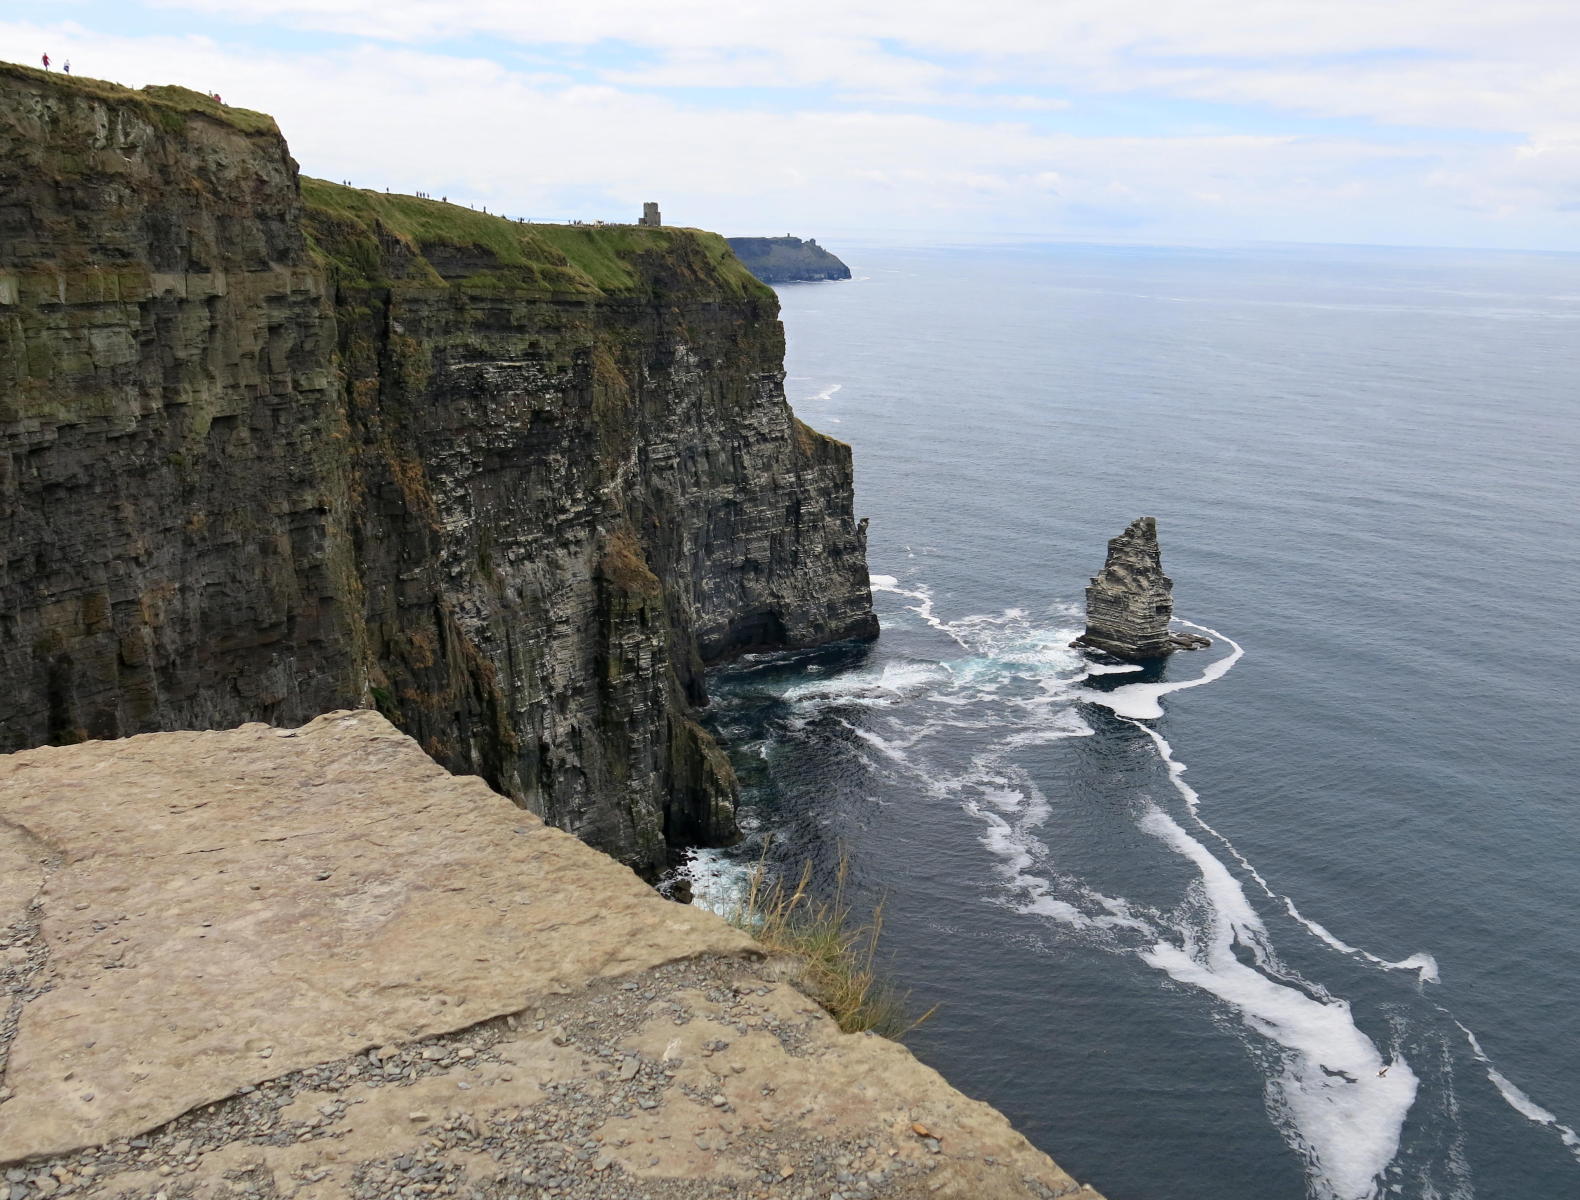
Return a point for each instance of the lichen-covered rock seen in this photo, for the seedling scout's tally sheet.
(272, 446)
(1130, 601)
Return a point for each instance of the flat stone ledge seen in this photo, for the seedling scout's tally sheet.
(267, 963)
(217, 909)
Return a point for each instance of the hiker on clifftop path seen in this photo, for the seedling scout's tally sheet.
(66, 66)
(46, 62)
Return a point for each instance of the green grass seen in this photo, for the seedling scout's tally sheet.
(835, 952)
(166, 106)
(576, 259)
(350, 225)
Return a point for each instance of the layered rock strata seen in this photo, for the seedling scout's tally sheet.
(271, 446)
(1130, 601)
(788, 259)
(311, 963)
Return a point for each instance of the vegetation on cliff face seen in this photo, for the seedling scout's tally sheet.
(835, 951)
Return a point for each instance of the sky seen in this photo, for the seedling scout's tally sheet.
(1393, 122)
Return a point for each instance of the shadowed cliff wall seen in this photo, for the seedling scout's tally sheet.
(271, 446)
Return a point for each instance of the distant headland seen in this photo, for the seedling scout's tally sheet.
(787, 259)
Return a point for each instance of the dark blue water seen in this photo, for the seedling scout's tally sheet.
(1273, 982)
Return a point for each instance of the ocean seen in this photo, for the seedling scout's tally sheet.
(1294, 916)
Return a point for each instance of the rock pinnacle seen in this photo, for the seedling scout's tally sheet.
(1130, 601)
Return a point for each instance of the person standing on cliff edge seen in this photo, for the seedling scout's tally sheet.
(46, 62)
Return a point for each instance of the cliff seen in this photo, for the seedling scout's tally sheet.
(1131, 601)
(270, 446)
(787, 259)
(311, 963)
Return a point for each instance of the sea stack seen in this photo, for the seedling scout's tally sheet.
(1130, 601)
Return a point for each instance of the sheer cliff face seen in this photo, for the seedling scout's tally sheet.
(268, 449)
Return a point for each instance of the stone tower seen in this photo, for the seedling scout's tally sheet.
(650, 214)
(1130, 601)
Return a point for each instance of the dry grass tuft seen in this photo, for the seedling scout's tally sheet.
(836, 952)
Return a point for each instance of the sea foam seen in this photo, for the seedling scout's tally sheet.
(1344, 1105)
(1516, 1098)
(1335, 1096)
(1140, 701)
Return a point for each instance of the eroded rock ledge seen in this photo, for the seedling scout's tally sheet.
(311, 963)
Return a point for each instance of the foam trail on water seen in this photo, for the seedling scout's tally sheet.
(1346, 1104)
(1139, 701)
(1424, 965)
(1331, 1090)
(1518, 1100)
(923, 606)
(1110, 669)
(1347, 1108)
(1334, 1095)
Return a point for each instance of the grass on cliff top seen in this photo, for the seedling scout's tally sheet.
(836, 952)
(561, 258)
(166, 105)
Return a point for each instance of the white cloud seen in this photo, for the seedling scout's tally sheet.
(874, 153)
(1469, 61)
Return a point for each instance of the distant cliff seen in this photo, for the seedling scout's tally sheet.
(272, 446)
(787, 259)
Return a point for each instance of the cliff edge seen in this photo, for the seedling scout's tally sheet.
(787, 259)
(311, 963)
(270, 446)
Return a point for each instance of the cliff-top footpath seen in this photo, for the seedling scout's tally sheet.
(270, 446)
(312, 963)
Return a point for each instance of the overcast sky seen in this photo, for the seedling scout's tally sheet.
(1406, 122)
